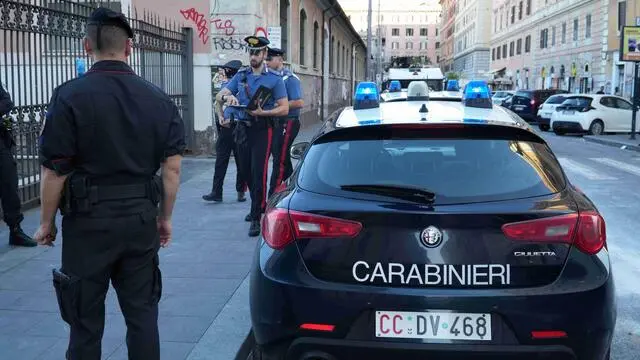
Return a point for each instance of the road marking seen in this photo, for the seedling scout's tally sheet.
(618, 165)
(586, 171)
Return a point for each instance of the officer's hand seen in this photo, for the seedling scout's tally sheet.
(257, 112)
(231, 100)
(46, 234)
(165, 231)
(225, 122)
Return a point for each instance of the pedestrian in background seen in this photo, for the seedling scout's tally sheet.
(106, 135)
(257, 125)
(225, 145)
(11, 203)
(286, 128)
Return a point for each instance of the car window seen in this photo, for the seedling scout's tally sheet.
(556, 99)
(457, 170)
(525, 94)
(623, 104)
(578, 101)
(608, 102)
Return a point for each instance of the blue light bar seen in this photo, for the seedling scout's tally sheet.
(366, 96)
(477, 94)
(394, 86)
(452, 85)
(370, 122)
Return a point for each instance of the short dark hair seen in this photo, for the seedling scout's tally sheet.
(112, 38)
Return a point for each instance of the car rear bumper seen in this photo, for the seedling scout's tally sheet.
(338, 349)
(281, 303)
(567, 126)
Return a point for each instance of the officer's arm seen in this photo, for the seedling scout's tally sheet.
(282, 102)
(6, 105)
(57, 153)
(229, 89)
(174, 148)
(294, 91)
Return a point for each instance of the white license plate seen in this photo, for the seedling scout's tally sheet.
(433, 325)
(568, 112)
(519, 107)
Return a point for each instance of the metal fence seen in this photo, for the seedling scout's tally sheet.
(41, 48)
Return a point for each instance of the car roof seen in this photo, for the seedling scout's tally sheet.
(438, 112)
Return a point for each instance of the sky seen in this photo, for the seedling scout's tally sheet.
(386, 4)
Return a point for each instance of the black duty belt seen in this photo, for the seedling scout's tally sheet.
(119, 192)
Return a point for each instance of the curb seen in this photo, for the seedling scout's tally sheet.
(613, 143)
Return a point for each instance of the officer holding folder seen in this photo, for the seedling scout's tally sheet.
(261, 97)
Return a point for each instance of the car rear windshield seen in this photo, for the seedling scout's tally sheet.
(524, 94)
(457, 170)
(501, 94)
(556, 99)
(578, 101)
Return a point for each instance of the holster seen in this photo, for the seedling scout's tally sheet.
(67, 289)
(240, 134)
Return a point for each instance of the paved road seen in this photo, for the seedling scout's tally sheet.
(204, 310)
(611, 178)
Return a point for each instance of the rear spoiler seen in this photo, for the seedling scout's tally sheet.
(427, 131)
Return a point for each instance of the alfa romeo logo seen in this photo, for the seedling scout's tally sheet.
(431, 237)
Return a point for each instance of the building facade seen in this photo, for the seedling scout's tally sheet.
(619, 75)
(512, 60)
(472, 39)
(569, 43)
(447, 30)
(404, 27)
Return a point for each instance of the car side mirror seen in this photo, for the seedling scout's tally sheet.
(297, 150)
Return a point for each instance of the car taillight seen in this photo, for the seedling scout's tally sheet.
(533, 102)
(281, 227)
(587, 231)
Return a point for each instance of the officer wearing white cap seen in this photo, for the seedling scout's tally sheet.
(257, 125)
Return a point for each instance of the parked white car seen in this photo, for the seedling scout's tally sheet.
(593, 114)
(500, 96)
(548, 108)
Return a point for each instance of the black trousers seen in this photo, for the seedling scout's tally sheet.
(123, 250)
(254, 155)
(284, 134)
(11, 204)
(224, 147)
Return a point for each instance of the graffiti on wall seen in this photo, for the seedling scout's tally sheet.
(198, 19)
(224, 26)
(230, 43)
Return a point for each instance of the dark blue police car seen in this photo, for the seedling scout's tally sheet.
(431, 228)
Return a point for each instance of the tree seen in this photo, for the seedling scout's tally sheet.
(453, 76)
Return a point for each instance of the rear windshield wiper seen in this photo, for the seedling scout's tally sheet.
(397, 191)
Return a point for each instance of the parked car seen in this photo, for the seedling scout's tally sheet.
(593, 114)
(525, 103)
(547, 108)
(501, 95)
(459, 237)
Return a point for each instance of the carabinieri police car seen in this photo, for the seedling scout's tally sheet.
(430, 227)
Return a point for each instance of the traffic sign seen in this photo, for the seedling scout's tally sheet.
(274, 34)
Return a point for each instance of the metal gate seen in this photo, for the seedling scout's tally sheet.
(41, 48)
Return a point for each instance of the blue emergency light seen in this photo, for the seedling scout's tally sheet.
(452, 85)
(394, 86)
(477, 94)
(366, 96)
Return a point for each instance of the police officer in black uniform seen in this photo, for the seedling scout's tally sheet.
(106, 135)
(225, 145)
(11, 204)
(256, 125)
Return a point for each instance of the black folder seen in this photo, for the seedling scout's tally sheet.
(262, 95)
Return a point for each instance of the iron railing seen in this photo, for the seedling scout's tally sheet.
(41, 48)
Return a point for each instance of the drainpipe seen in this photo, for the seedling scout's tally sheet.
(353, 70)
(324, 11)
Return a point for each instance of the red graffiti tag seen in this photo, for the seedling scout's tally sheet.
(225, 25)
(199, 20)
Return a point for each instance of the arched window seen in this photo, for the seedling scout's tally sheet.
(337, 68)
(303, 23)
(344, 60)
(315, 45)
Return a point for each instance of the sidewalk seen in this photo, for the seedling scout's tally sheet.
(621, 141)
(204, 308)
